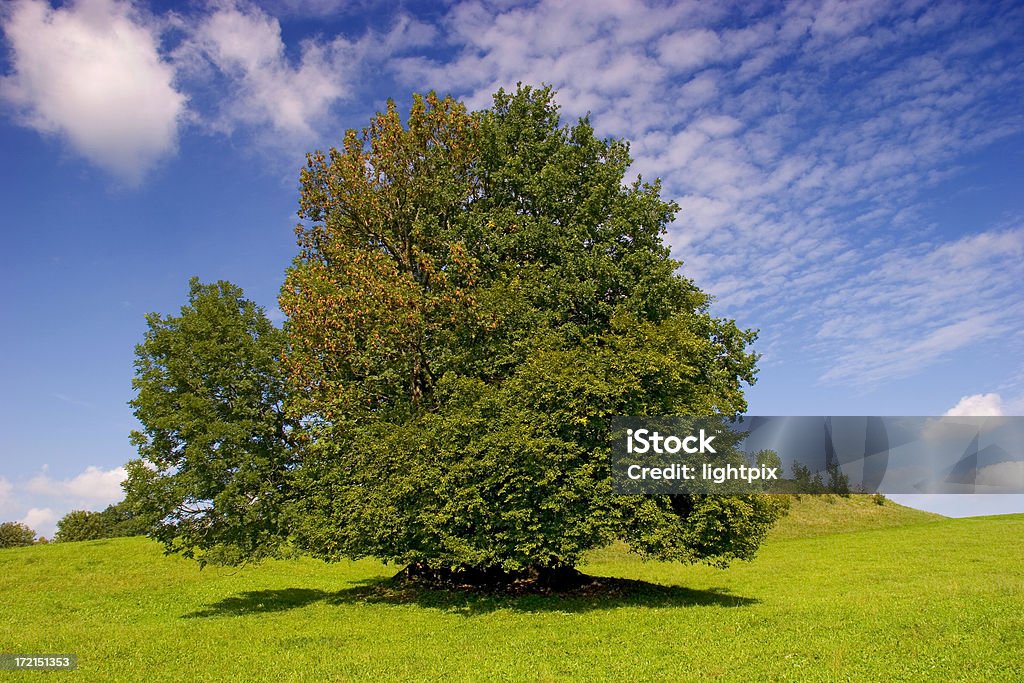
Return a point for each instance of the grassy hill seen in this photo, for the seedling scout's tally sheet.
(942, 600)
(830, 514)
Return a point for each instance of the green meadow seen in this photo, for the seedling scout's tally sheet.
(843, 590)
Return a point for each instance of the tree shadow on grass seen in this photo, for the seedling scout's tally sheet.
(261, 602)
(600, 593)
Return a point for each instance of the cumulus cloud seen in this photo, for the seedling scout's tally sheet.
(41, 500)
(1007, 476)
(244, 44)
(95, 74)
(94, 484)
(690, 49)
(973, 406)
(40, 518)
(92, 73)
(977, 405)
(254, 82)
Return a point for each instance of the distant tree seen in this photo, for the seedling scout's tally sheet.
(807, 482)
(213, 449)
(15, 534)
(838, 481)
(768, 458)
(123, 521)
(802, 478)
(82, 525)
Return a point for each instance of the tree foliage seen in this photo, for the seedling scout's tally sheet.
(16, 534)
(807, 482)
(81, 525)
(114, 521)
(475, 297)
(214, 449)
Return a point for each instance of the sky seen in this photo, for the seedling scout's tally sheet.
(850, 179)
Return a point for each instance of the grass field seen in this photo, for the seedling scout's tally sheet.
(907, 597)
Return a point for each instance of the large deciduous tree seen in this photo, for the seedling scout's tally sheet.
(476, 296)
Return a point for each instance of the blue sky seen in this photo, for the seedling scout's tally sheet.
(849, 174)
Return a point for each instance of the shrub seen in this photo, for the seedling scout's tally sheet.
(15, 534)
(82, 525)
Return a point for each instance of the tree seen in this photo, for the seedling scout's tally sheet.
(82, 525)
(768, 458)
(475, 297)
(16, 534)
(122, 520)
(214, 448)
(807, 481)
(838, 481)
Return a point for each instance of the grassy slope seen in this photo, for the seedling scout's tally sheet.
(818, 515)
(942, 600)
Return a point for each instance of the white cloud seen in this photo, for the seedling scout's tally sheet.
(913, 306)
(963, 504)
(977, 405)
(91, 73)
(836, 18)
(803, 191)
(262, 85)
(718, 126)
(689, 50)
(94, 484)
(1008, 476)
(245, 45)
(41, 518)
(41, 500)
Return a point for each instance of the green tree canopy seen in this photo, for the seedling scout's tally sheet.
(211, 479)
(15, 534)
(475, 297)
(84, 525)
